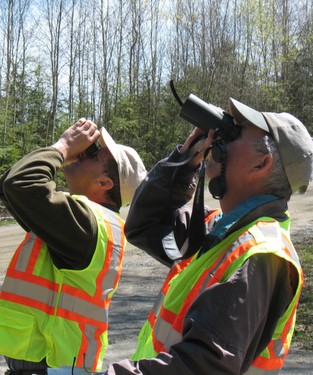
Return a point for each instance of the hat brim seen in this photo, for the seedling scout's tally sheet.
(243, 113)
(106, 140)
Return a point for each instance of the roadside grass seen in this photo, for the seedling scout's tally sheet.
(9, 221)
(303, 334)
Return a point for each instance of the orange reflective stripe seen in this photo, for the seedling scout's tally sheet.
(46, 301)
(91, 338)
(31, 246)
(209, 277)
(212, 275)
(34, 255)
(271, 363)
(49, 310)
(16, 254)
(230, 259)
(40, 296)
(178, 267)
(275, 362)
(25, 280)
(83, 311)
(121, 250)
(108, 259)
(151, 318)
(158, 345)
(167, 315)
(80, 360)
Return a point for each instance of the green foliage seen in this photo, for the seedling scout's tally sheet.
(8, 156)
(257, 52)
(4, 222)
(151, 126)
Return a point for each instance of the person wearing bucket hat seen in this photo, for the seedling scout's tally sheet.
(131, 170)
(58, 286)
(228, 304)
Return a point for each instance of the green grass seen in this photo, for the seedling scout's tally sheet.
(5, 222)
(303, 334)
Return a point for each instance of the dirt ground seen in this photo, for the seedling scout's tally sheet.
(141, 278)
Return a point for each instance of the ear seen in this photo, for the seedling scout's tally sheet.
(262, 166)
(106, 183)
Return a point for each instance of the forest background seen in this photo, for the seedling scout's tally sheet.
(111, 61)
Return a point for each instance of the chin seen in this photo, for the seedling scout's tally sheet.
(71, 170)
(70, 166)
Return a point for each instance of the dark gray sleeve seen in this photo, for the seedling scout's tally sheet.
(158, 214)
(227, 326)
(68, 226)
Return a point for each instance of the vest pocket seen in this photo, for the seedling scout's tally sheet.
(20, 335)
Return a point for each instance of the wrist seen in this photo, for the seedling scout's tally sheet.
(59, 145)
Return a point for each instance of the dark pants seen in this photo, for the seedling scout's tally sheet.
(20, 367)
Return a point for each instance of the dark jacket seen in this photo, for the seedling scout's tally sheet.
(210, 342)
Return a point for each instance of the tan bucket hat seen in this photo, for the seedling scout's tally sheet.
(131, 169)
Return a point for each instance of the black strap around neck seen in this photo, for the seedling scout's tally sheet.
(197, 226)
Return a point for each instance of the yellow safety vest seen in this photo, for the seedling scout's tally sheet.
(190, 277)
(59, 314)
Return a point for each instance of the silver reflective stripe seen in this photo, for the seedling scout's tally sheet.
(44, 295)
(23, 261)
(280, 238)
(292, 250)
(30, 290)
(278, 348)
(90, 332)
(82, 307)
(166, 334)
(242, 239)
(88, 309)
(158, 303)
(272, 232)
(110, 278)
(117, 234)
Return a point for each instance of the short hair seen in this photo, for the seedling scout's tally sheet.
(111, 169)
(277, 182)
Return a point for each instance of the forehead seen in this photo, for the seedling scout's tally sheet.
(104, 153)
(249, 130)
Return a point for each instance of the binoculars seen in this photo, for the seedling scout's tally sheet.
(207, 116)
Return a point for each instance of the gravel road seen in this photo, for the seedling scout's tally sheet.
(141, 278)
